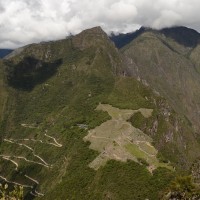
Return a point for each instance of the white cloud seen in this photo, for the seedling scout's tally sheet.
(28, 21)
(121, 12)
(167, 18)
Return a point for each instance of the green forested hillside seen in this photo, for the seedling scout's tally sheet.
(48, 98)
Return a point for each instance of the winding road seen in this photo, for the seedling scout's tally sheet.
(41, 162)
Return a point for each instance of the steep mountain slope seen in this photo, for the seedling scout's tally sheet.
(64, 104)
(170, 68)
(194, 57)
(121, 40)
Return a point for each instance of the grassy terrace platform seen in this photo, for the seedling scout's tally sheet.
(117, 139)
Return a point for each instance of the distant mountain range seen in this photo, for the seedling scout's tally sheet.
(182, 35)
(168, 60)
(5, 52)
(82, 119)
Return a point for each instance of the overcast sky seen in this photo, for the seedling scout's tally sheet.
(27, 21)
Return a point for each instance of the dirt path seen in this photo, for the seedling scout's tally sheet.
(32, 179)
(34, 193)
(29, 148)
(20, 144)
(98, 137)
(15, 183)
(30, 161)
(10, 141)
(28, 126)
(54, 139)
(41, 161)
(38, 193)
(26, 176)
(16, 168)
(56, 144)
(12, 161)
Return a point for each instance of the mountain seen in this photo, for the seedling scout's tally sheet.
(77, 124)
(4, 52)
(182, 35)
(168, 66)
(122, 39)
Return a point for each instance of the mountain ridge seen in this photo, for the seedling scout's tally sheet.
(182, 35)
(167, 59)
(43, 127)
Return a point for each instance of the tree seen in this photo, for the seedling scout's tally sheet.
(182, 188)
(15, 194)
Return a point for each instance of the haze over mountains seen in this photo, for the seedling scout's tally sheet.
(83, 119)
(4, 52)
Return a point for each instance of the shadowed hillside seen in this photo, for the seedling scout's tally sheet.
(182, 35)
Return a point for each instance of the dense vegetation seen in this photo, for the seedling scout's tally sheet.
(182, 188)
(11, 194)
(60, 98)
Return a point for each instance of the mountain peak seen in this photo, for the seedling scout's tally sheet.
(94, 30)
(52, 49)
(183, 35)
(90, 37)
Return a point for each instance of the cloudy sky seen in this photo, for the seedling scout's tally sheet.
(27, 21)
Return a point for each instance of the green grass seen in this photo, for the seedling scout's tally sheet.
(135, 151)
(147, 148)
